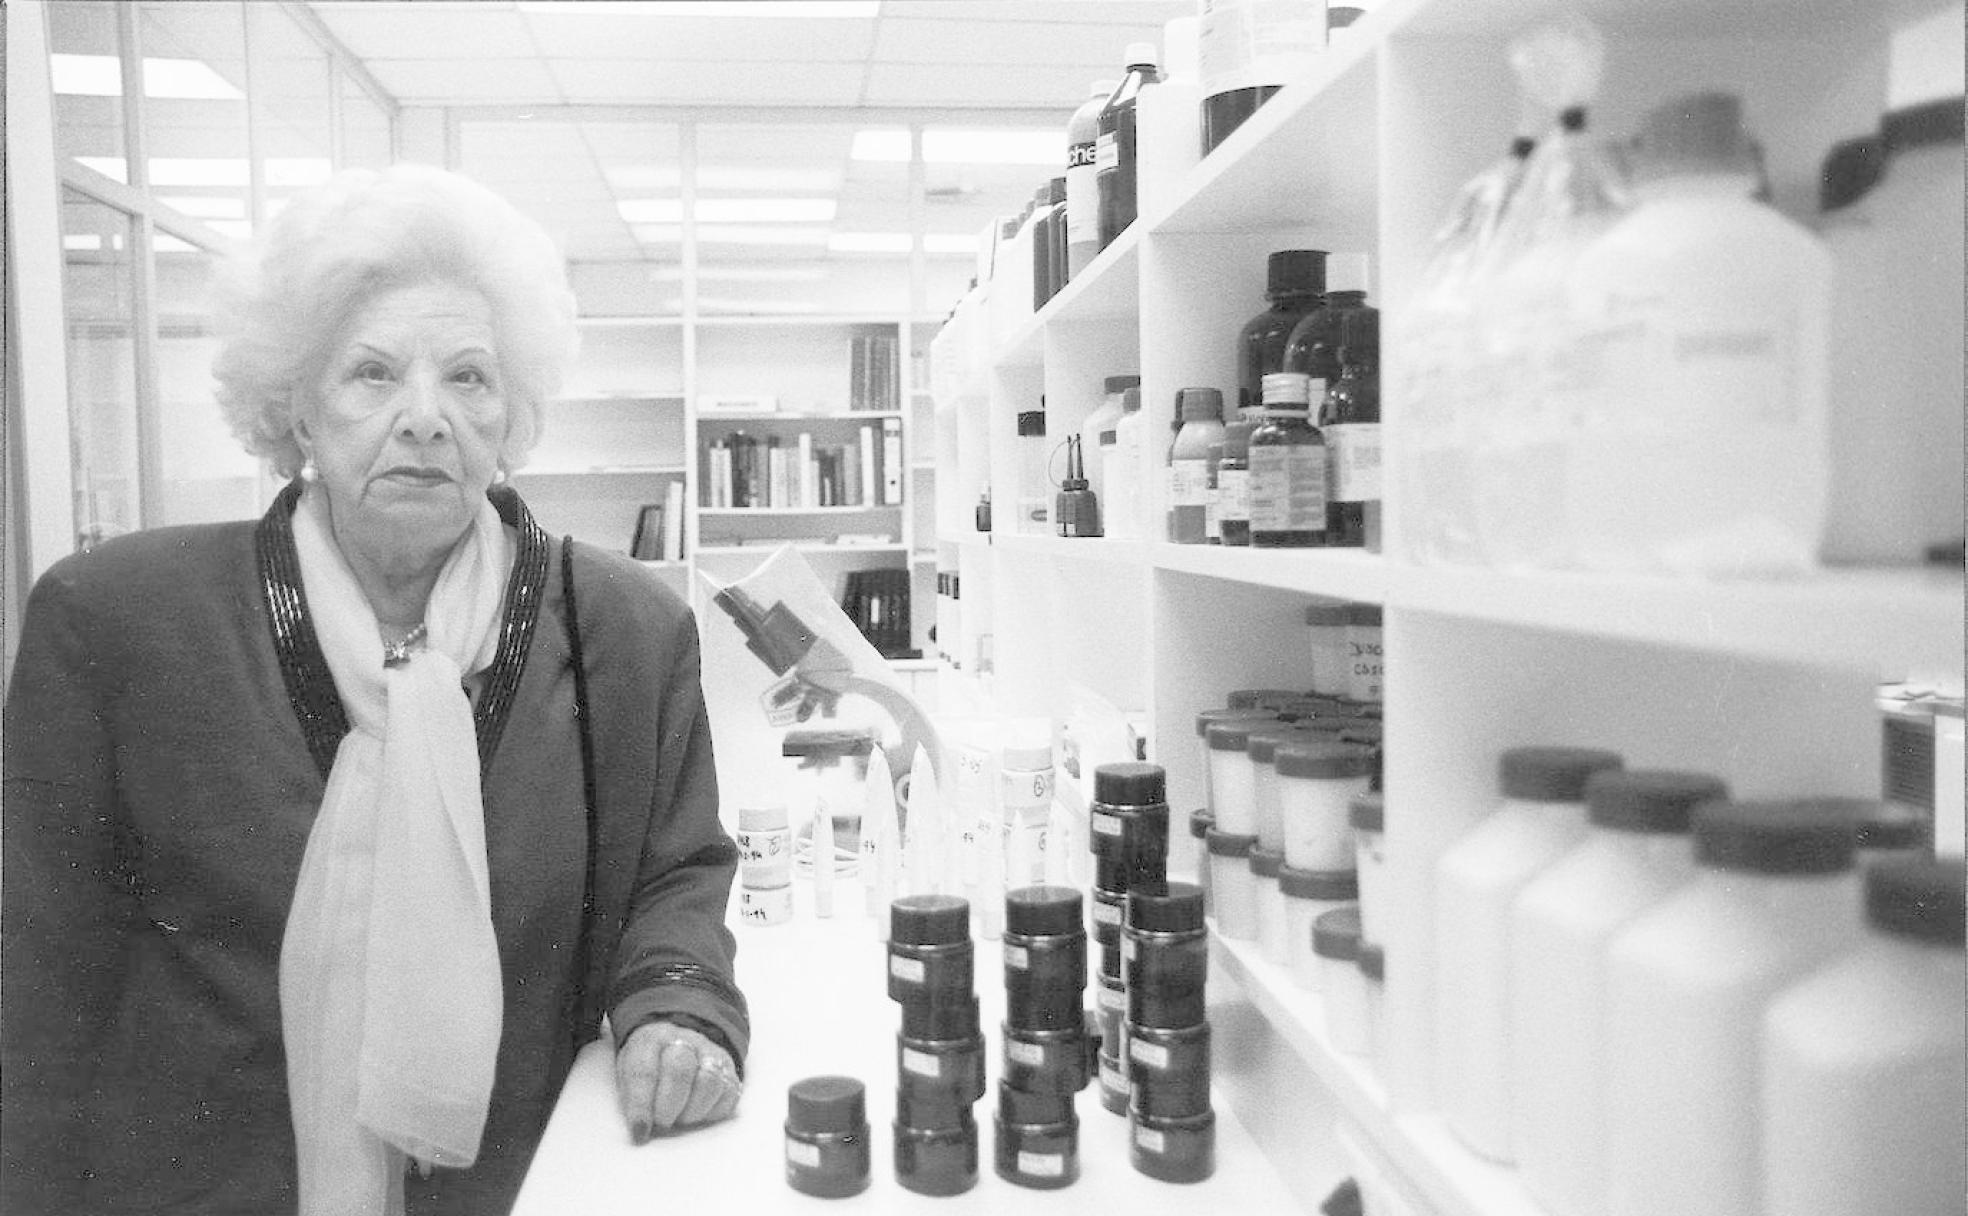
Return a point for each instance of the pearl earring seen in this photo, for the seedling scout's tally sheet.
(309, 473)
(499, 477)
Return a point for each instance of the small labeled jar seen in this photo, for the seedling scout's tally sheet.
(1045, 958)
(1200, 822)
(1267, 798)
(1310, 894)
(1045, 1061)
(940, 1066)
(827, 1140)
(1174, 1150)
(1367, 813)
(1332, 657)
(937, 1161)
(1166, 948)
(930, 955)
(1270, 902)
(1232, 885)
(1038, 1139)
(1342, 989)
(1209, 718)
(1128, 825)
(765, 905)
(765, 847)
(1232, 784)
(1363, 639)
(1168, 1069)
(1318, 780)
(943, 1019)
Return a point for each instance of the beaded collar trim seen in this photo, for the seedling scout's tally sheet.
(304, 670)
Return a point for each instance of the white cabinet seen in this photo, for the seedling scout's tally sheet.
(1770, 685)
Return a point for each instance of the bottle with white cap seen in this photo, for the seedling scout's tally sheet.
(1116, 145)
(1082, 194)
(1636, 852)
(1774, 896)
(1862, 1061)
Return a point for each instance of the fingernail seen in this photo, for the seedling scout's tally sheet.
(639, 1133)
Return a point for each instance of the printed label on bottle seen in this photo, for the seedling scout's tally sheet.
(1355, 461)
(905, 968)
(1189, 483)
(764, 844)
(1154, 1055)
(1151, 1139)
(1042, 1165)
(1212, 525)
(1025, 789)
(1288, 488)
(1106, 153)
(1106, 914)
(1105, 824)
(801, 1153)
(1018, 958)
(1735, 359)
(1128, 949)
(1029, 1054)
(921, 1063)
(1113, 998)
(1080, 155)
(1363, 675)
(1232, 495)
(1112, 1079)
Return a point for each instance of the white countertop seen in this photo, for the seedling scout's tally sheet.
(819, 1002)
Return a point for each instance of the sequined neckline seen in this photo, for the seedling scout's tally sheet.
(304, 669)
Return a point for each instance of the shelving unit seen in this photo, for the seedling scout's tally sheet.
(629, 426)
(1768, 684)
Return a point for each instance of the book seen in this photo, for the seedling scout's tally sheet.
(891, 462)
(870, 485)
(809, 474)
(673, 522)
(647, 543)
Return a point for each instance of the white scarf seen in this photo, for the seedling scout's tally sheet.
(390, 993)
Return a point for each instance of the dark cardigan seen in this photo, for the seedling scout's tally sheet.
(168, 730)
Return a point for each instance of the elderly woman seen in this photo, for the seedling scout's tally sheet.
(330, 838)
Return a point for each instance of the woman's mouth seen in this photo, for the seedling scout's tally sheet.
(417, 475)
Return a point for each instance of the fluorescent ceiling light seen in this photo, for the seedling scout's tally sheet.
(730, 210)
(764, 179)
(114, 167)
(172, 79)
(868, 242)
(743, 274)
(207, 206)
(734, 234)
(963, 146)
(950, 242)
(82, 242)
(863, 9)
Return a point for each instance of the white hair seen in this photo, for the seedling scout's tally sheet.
(363, 232)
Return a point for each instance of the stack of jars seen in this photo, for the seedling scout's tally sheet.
(1128, 832)
(1172, 1127)
(1046, 1050)
(939, 1052)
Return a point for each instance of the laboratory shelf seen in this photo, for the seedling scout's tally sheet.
(1098, 550)
(1348, 574)
(751, 512)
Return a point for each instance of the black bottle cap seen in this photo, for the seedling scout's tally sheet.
(1649, 800)
(1036, 911)
(929, 920)
(1882, 824)
(1552, 774)
(1324, 885)
(1235, 713)
(1368, 812)
(1198, 404)
(1026, 1109)
(1295, 272)
(826, 1104)
(1229, 844)
(1373, 962)
(1200, 822)
(1031, 423)
(1175, 908)
(1130, 783)
(1117, 384)
(1319, 758)
(1336, 934)
(1774, 837)
(1265, 863)
(1917, 897)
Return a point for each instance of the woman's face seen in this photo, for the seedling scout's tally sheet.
(407, 419)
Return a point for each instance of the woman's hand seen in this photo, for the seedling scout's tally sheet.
(670, 1077)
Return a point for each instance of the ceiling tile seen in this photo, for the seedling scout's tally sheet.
(389, 29)
(684, 39)
(708, 82)
(977, 86)
(1011, 45)
(465, 81)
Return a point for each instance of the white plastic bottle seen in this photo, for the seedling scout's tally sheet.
(1122, 472)
(1082, 194)
(1703, 448)
(1774, 895)
(1103, 418)
(1166, 125)
(1476, 881)
(1635, 854)
(1862, 1062)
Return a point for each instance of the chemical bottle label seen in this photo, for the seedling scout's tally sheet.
(1189, 483)
(799, 1153)
(1081, 155)
(1031, 1055)
(1105, 824)
(1154, 1055)
(1106, 914)
(1042, 1165)
(1150, 1139)
(921, 1063)
(1354, 449)
(1288, 488)
(1083, 198)
(907, 969)
(1232, 495)
(1018, 958)
(1024, 790)
(1107, 153)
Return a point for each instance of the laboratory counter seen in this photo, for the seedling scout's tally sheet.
(819, 1004)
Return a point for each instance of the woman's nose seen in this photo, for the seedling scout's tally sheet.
(421, 419)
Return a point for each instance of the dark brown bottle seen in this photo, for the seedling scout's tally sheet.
(1114, 148)
(1350, 421)
(1295, 283)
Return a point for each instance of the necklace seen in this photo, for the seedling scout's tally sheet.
(395, 654)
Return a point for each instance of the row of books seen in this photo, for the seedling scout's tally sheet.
(874, 375)
(659, 528)
(771, 470)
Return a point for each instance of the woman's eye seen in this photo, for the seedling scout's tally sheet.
(471, 377)
(372, 372)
